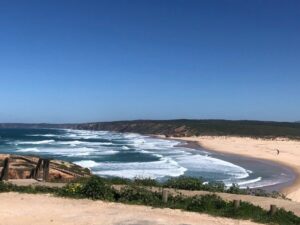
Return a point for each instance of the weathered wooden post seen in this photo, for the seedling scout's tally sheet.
(165, 194)
(37, 169)
(236, 204)
(46, 164)
(5, 170)
(32, 172)
(273, 209)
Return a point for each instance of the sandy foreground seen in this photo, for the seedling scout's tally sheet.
(289, 153)
(29, 209)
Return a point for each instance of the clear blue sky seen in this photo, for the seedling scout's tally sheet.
(80, 61)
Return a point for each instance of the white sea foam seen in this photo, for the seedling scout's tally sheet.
(35, 142)
(28, 150)
(106, 152)
(209, 164)
(71, 152)
(86, 163)
(71, 143)
(154, 170)
(247, 182)
(102, 143)
(42, 135)
(168, 158)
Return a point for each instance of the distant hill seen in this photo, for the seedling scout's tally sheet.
(257, 129)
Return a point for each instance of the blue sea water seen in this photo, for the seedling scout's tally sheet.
(132, 155)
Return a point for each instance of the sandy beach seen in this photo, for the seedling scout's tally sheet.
(29, 209)
(280, 150)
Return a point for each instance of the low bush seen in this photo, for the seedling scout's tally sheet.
(7, 187)
(186, 183)
(206, 203)
(139, 195)
(94, 188)
(4, 187)
(118, 181)
(72, 190)
(235, 189)
(98, 188)
(146, 182)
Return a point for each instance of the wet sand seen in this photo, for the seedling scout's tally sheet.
(257, 165)
(259, 149)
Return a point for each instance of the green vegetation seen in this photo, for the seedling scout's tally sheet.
(132, 193)
(256, 129)
(191, 184)
(6, 187)
(93, 188)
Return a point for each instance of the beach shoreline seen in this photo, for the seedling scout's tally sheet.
(235, 159)
(259, 149)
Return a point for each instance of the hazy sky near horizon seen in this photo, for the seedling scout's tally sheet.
(80, 61)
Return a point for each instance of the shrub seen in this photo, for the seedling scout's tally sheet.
(71, 190)
(235, 189)
(146, 182)
(7, 187)
(206, 203)
(214, 186)
(4, 187)
(118, 181)
(139, 195)
(96, 188)
(93, 188)
(285, 218)
(186, 183)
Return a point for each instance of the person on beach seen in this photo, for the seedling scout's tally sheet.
(277, 151)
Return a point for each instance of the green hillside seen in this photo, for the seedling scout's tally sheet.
(201, 127)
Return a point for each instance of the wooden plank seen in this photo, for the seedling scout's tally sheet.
(5, 170)
(46, 164)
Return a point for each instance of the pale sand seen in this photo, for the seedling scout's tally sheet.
(28, 209)
(258, 148)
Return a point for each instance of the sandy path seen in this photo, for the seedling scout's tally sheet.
(28, 209)
(263, 202)
(289, 153)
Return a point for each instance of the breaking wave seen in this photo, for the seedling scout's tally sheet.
(35, 142)
(133, 155)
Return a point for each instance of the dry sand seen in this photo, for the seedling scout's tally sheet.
(289, 153)
(28, 209)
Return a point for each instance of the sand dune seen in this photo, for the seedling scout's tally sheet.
(289, 153)
(28, 209)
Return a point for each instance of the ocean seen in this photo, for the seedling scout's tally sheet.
(132, 155)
